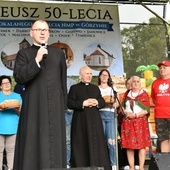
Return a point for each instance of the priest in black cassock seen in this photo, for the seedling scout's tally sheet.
(88, 145)
(41, 137)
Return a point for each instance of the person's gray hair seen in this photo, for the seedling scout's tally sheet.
(131, 79)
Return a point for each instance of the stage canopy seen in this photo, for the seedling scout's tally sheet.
(156, 2)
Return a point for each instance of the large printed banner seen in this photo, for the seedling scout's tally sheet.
(89, 34)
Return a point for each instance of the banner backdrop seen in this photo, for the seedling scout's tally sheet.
(89, 34)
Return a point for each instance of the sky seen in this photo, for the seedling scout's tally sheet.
(131, 13)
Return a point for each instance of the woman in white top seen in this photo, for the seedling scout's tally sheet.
(108, 114)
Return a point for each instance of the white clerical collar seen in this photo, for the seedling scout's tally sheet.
(39, 44)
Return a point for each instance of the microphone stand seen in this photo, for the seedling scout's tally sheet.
(115, 120)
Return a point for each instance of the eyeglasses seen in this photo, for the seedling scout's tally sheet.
(40, 30)
(104, 75)
(5, 83)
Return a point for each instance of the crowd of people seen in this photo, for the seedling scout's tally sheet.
(55, 122)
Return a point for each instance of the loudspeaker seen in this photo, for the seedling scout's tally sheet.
(160, 161)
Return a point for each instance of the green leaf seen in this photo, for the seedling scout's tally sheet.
(141, 68)
(147, 68)
(149, 82)
(154, 67)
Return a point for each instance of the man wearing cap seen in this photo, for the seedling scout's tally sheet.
(161, 98)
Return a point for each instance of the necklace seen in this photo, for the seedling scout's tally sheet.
(134, 94)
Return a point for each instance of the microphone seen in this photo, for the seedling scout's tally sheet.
(43, 44)
(109, 81)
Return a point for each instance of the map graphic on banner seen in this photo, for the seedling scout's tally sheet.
(89, 34)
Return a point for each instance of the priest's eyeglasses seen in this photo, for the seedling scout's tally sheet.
(40, 30)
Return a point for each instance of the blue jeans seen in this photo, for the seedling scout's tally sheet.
(110, 133)
(68, 119)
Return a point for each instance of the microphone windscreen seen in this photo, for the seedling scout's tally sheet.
(110, 80)
(43, 44)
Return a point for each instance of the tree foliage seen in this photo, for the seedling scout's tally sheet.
(143, 45)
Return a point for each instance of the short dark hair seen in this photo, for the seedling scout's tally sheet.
(5, 77)
(39, 20)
